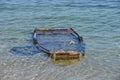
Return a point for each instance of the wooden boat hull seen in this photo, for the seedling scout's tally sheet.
(59, 43)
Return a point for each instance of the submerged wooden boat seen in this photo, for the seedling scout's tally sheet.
(59, 43)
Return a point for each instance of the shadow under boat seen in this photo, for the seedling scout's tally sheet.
(25, 50)
(30, 51)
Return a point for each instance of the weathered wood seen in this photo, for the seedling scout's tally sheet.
(61, 54)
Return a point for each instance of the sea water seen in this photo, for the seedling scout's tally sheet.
(98, 21)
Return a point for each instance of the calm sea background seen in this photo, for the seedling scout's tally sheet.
(98, 21)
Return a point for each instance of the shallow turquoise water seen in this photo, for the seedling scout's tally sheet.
(98, 21)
